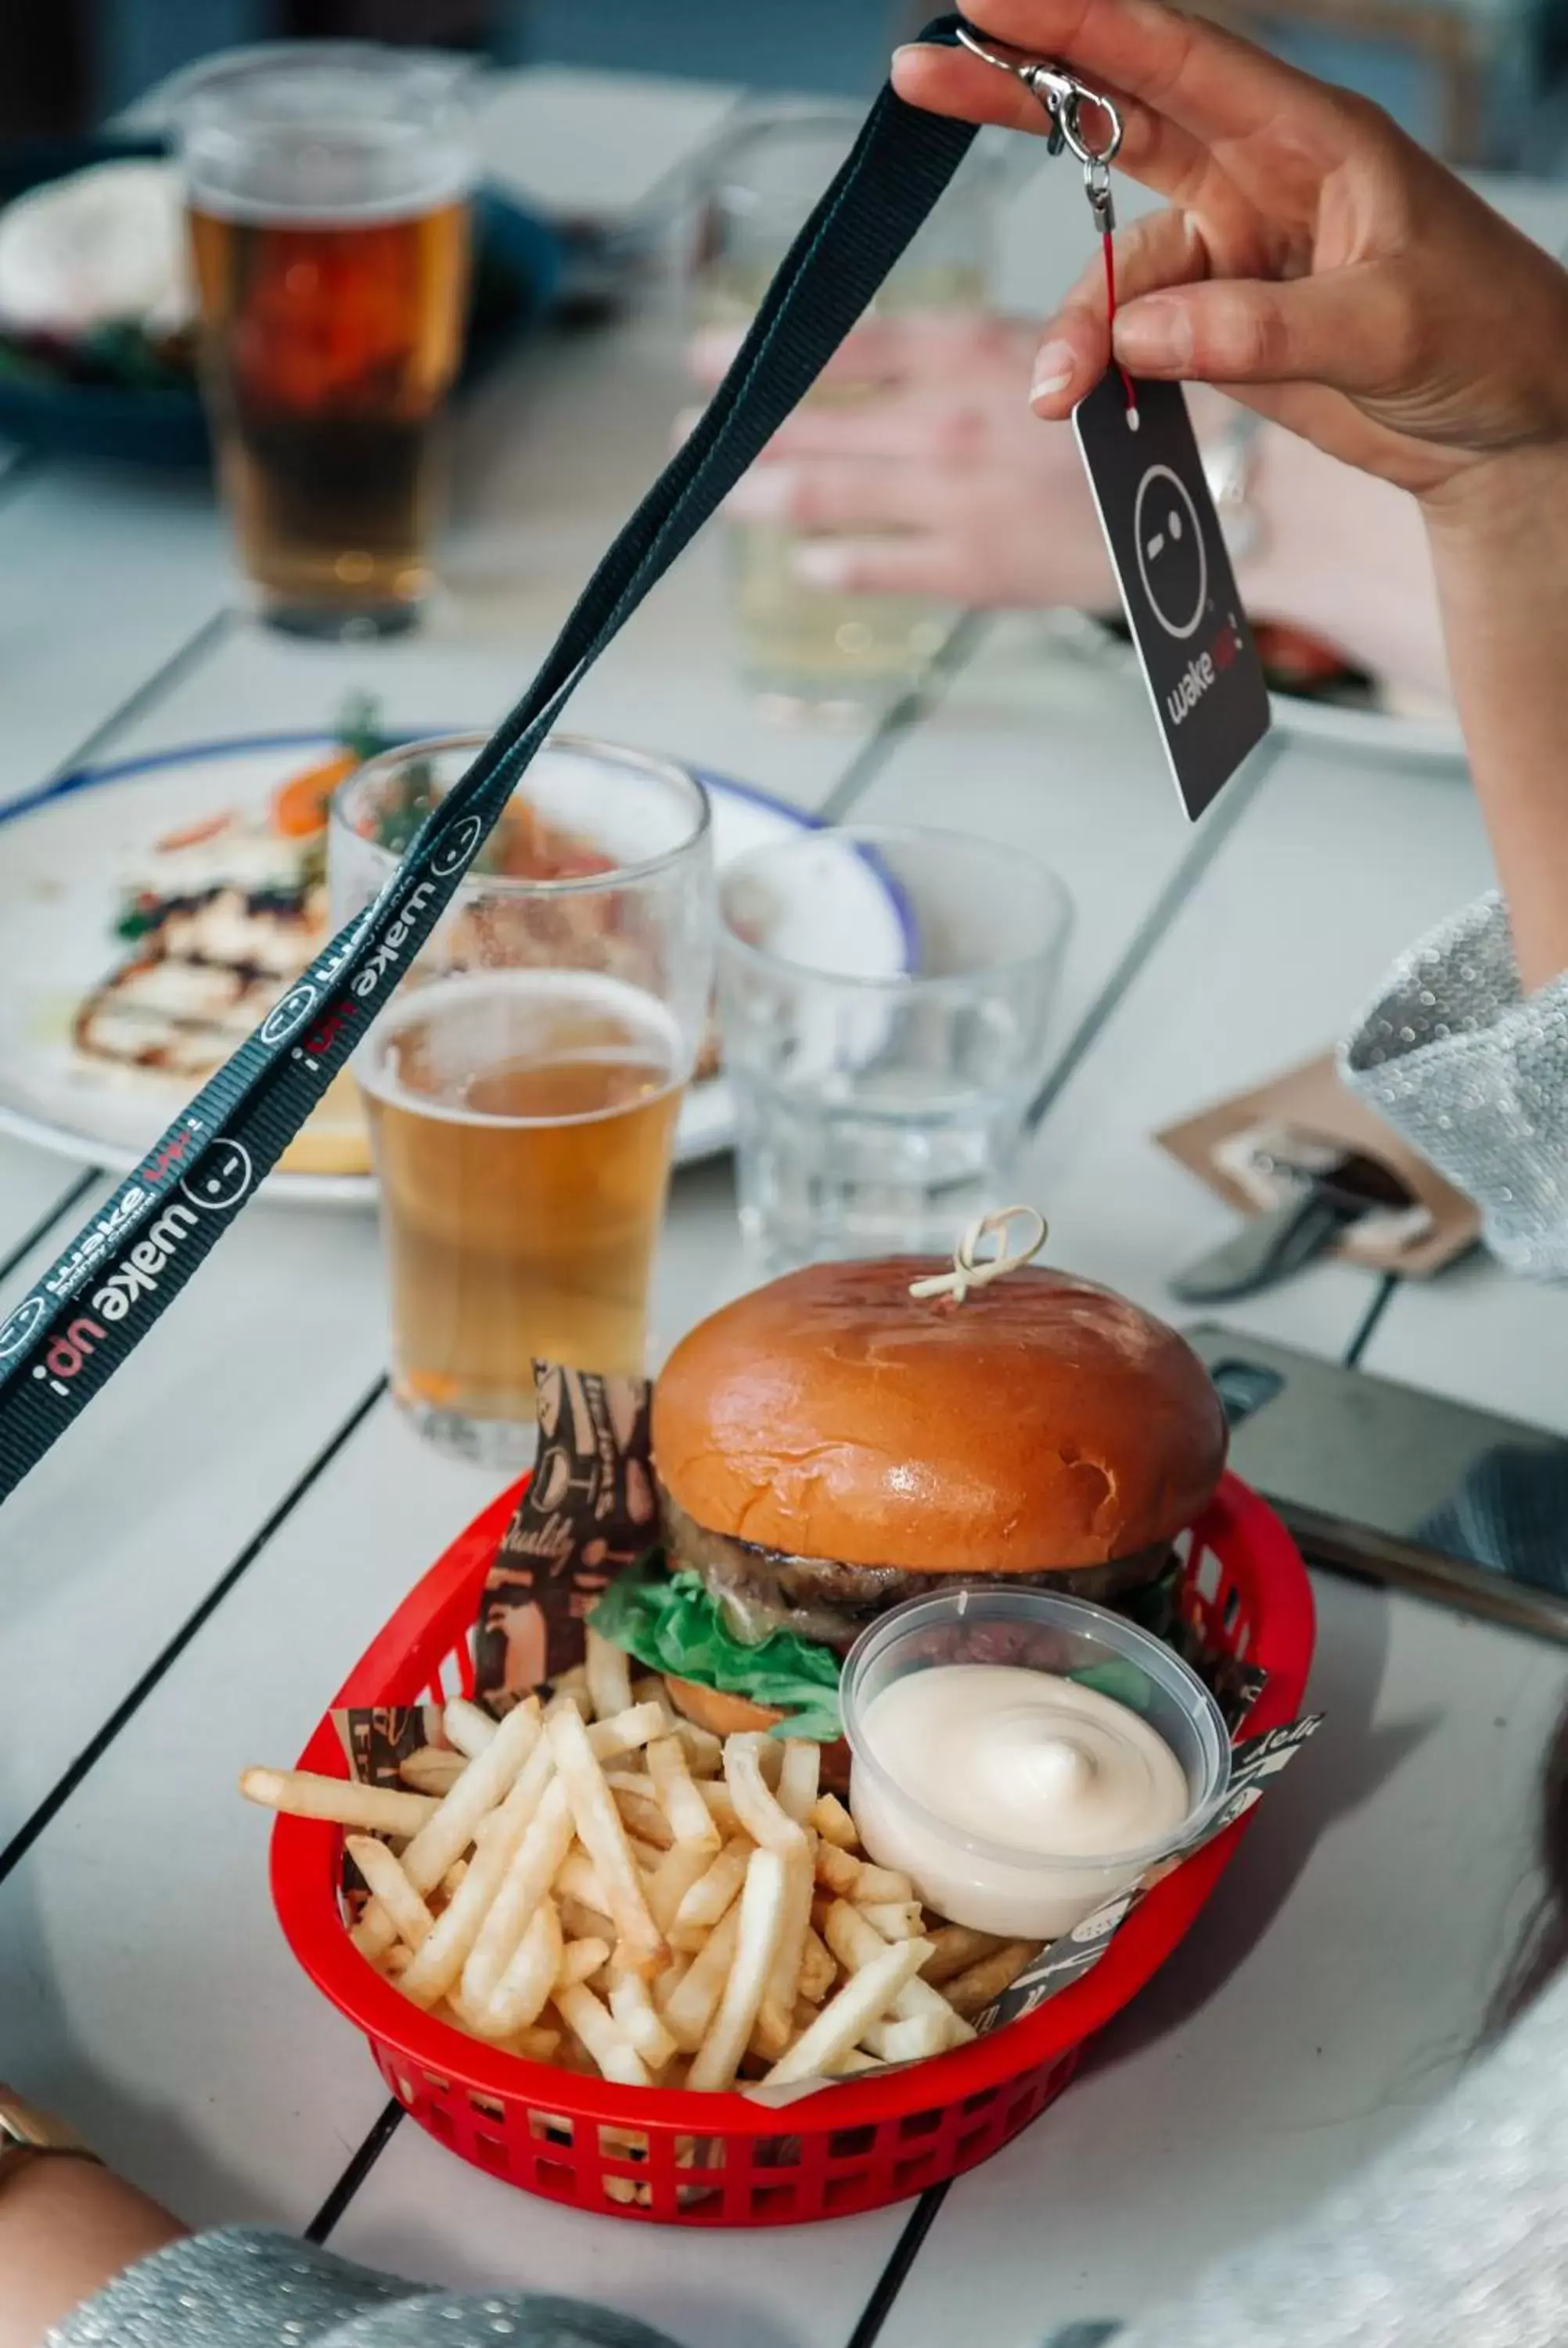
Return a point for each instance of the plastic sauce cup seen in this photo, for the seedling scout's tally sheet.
(993, 1885)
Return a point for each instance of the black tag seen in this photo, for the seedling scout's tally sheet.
(1198, 657)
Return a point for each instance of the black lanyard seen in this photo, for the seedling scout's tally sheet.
(95, 1304)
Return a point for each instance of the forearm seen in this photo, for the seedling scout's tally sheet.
(1500, 550)
(66, 2227)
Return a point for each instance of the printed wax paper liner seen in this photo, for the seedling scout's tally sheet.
(589, 1511)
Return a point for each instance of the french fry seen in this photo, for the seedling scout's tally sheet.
(453, 1877)
(524, 1983)
(895, 1919)
(633, 2008)
(603, 2036)
(689, 2005)
(833, 1823)
(970, 1993)
(432, 1770)
(843, 2021)
(770, 1828)
(681, 1866)
(484, 1784)
(775, 2015)
(569, 1682)
(957, 1946)
(761, 1911)
(581, 1923)
(702, 1905)
(857, 1878)
(649, 1687)
(574, 1697)
(640, 1811)
(690, 1817)
(798, 1777)
(906, 2042)
(469, 1727)
(855, 1943)
(537, 2045)
(387, 1882)
(704, 1751)
(397, 1959)
(647, 1855)
(624, 1732)
(609, 1676)
(437, 1965)
(716, 1794)
(580, 1960)
(577, 1877)
(640, 1947)
(371, 1809)
(818, 1968)
(522, 1889)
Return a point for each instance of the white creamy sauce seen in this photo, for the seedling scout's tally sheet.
(1057, 1773)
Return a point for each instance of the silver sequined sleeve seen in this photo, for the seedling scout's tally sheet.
(249, 2288)
(1475, 1074)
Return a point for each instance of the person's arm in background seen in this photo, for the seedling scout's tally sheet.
(937, 480)
(1319, 266)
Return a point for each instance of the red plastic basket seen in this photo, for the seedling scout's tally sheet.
(723, 2161)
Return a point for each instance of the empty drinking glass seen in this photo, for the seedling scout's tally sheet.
(885, 997)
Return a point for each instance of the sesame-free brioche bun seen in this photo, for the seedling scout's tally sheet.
(1043, 1423)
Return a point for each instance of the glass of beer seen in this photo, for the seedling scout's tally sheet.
(523, 1085)
(803, 646)
(327, 189)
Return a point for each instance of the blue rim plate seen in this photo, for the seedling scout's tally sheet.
(65, 845)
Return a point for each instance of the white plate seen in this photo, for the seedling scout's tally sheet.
(65, 847)
(1361, 733)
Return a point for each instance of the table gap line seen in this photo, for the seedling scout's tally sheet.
(958, 647)
(93, 1752)
(69, 1196)
(374, 2142)
(1156, 922)
(1362, 1336)
(202, 641)
(891, 2280)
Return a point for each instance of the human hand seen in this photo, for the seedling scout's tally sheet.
(933, 478)
(1313, 261)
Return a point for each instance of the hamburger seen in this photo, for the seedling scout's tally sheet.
(830, 1445)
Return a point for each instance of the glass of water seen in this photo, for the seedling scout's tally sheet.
(803, 646)
(885, 998)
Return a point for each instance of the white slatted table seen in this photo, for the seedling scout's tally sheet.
(1336, 1979)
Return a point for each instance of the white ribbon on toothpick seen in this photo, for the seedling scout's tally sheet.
(970, 1268)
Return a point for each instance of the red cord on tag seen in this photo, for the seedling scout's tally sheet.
(1109, 247)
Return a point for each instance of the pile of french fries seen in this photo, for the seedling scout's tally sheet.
(593, 1883)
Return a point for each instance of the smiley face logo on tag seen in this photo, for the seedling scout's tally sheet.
(1171, 561)
(224, 1182)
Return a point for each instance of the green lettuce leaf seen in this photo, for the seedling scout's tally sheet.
(670, 1623)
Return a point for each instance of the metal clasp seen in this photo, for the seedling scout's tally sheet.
(1064, 97)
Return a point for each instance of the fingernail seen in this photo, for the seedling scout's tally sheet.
(1053, 366)
(818, 562)
(764, 494)
(1155, 335)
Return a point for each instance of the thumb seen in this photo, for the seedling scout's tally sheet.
(1345, 329)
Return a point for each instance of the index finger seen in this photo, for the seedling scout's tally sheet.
(1180, 75)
